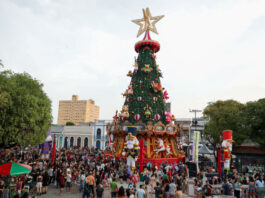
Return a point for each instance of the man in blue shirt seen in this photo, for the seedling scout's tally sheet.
(128, 171)
(226, 187)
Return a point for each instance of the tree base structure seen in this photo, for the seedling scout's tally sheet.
(160, 142)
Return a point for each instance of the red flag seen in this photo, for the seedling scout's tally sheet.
(219, 166)
(53, 149)
(141, 155)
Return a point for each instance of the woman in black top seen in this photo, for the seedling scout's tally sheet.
(179, 188)
(121, 192)
(46, 179)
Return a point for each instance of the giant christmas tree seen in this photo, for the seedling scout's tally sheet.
(145, 104)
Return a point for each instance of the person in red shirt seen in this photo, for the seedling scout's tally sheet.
(207, 189)
(91, 181)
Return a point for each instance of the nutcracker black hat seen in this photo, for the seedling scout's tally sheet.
(132, 130)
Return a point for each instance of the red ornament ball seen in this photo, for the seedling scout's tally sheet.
(139, 98)
(157, 117)
(137, 116)
(127, 99)
(155, 99)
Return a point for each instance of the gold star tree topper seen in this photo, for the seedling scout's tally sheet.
(147, 25)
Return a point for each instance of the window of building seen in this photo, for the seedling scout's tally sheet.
(65, 142)
(71, 141)
(86, 141)
(79, 141)
(98, 133)
(98, 144)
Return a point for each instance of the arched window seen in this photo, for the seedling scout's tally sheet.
(98, 144)
(98, 133)
(79, 141)
(65, 142)
(86, 141)
(72, 141)
(60, 142)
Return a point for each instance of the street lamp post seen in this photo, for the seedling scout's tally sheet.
(195, 111)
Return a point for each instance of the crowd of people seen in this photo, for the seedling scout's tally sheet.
(91, 173)
(232, 184)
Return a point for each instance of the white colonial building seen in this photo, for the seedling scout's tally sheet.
(100, 133)
(91, 134)
(78, 136)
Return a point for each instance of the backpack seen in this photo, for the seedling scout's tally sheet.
(86, 188)
(62, 180)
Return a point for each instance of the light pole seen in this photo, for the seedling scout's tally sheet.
(195, 111)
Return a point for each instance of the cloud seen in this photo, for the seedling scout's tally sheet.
(210, 50)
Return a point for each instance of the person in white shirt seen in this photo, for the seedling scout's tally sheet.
(140, 193)
(260, 187)
(168, 167)
(51, 175)
(177, 168)
(82, 181)
(68, 180)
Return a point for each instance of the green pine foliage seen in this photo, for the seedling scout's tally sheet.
(144, 96)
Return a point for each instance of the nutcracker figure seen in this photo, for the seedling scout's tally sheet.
(131, 147)
(227, 146)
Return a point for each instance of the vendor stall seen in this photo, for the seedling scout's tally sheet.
(249, 156)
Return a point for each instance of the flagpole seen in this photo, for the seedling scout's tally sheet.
(53, 149)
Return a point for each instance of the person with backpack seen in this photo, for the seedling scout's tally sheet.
(91, 181)
(100, 191)
(39, 183)
(86, 192)
(114, 188)
(61, 182)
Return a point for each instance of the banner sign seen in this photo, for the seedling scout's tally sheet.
(195, 146)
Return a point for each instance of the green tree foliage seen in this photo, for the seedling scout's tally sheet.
(246, 120)
(25, 110)
(223, 115)
(254, 121)
(70, 124)
(144, 97)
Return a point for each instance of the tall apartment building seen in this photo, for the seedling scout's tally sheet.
(77, 111)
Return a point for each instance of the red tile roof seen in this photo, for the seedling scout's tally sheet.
(248, 149)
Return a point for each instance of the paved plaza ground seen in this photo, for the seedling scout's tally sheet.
(54, 192)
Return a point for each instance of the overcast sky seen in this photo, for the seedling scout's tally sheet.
(210, 49)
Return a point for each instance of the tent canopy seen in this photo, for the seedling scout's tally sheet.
(204, 150)
(12, 168)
